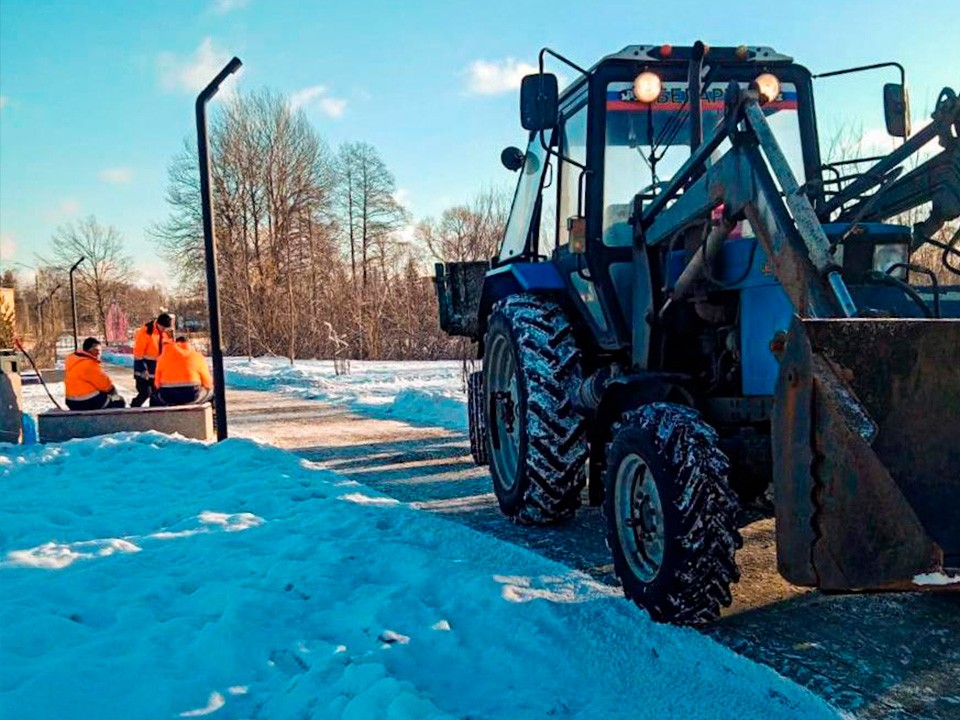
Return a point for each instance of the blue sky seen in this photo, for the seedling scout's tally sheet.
(97, 96)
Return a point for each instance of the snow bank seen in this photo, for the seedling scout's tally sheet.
(422, 393)
(146, 577)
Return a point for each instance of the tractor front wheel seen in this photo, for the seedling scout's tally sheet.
(671, 515)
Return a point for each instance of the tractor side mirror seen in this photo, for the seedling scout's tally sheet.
(896, 109)
(512, 158)
(539, 102)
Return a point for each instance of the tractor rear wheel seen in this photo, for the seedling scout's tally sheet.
(476, 420)
(671, 515)
(536, 440)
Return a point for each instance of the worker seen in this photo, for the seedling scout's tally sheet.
(87, 385)
(183, 377)
(147, 345)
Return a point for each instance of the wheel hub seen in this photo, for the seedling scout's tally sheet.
(640, 521)
(502, 411)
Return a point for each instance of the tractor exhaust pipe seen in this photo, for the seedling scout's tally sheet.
(702, 258)
(693, 95)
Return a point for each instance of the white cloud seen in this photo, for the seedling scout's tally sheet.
(407, 234)
(66, 209)
(192, 74)
(330, 106)
(305, 96)
(116, 175)
(499, 76)
(221, 7)
(333, 107)
(875, 141)
(151, 274)
(402, 198)
(8, 247)
(4, 100)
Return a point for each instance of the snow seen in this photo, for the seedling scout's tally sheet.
(423, 393)
(36, 400)
(936, 578)
(148, 577)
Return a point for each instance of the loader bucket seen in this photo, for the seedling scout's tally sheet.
(866, 445)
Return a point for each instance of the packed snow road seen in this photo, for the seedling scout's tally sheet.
(398, 429)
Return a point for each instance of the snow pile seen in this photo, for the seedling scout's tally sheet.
(423, 393)
(146, 577)
(936, 578)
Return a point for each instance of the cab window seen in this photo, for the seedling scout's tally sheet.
(573, 139)
(524, 202)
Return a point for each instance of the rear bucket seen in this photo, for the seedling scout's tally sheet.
(866, 445)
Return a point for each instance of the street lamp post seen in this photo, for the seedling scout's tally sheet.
(73, 304)
(210, 245)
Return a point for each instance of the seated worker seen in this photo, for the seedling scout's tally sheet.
(87, 385)
(182, 376)
(148, 343)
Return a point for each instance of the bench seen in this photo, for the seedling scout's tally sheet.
(190, 421)
(49, 375)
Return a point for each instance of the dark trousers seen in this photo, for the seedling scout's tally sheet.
(144, 391)
(143, 372)
(101, 401)
(172, 396)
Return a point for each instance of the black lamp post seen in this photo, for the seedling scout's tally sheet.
(73, 304)
(210, 245)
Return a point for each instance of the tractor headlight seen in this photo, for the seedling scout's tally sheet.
(886, 256)
(769, 87)
(647, 87)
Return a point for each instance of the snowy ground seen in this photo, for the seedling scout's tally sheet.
(148, 577)
(425, 393)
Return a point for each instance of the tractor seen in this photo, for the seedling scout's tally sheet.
(692, 309)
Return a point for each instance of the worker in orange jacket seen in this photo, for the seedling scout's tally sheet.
(183, 377)
(148, 343)
(86, 384)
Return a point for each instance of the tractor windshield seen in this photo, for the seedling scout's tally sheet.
(646, 143)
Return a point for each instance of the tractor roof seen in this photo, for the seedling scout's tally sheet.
(667, 53)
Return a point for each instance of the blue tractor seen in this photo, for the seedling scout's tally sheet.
(691, 308)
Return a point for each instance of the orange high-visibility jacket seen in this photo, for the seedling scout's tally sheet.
(147, 340)
(181, 366)
(83, 377)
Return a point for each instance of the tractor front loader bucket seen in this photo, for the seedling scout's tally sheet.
(866, 444)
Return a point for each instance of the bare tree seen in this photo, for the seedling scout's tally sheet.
(370, 217)
(271, 181)
(106, 265)
(472, 231)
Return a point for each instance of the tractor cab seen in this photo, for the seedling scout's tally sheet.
(615, 137)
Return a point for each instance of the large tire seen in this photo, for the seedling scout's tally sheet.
(671, 515)
(476, 419)
(536, 440)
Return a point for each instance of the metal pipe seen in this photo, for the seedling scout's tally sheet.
(210, 245)
(693, 95)
(701, 259)
(73, 304)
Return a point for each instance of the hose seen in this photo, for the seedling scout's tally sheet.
(878, 278)
(19, 346)
(924, 271)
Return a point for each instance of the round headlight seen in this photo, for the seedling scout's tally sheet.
(769, 87)
(647, 86)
